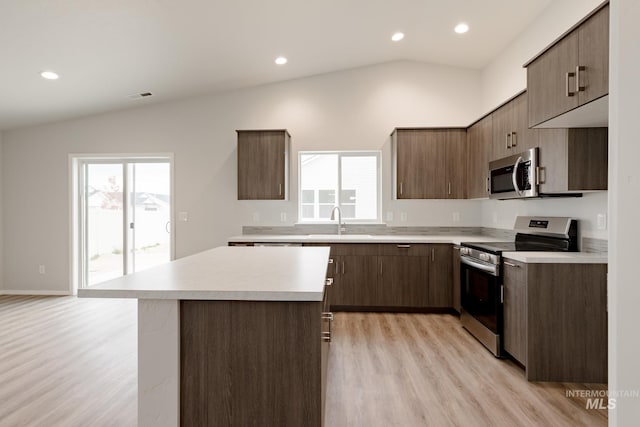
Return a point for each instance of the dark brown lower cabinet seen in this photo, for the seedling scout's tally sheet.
(242, 363)
(391, 275)
(456, 278)
(402, 281)
(515, 310)
(440, 276)
(555, 320)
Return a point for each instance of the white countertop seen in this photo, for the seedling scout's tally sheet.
(362, 238)
(527, 257)
(227, 273)
(556, 257)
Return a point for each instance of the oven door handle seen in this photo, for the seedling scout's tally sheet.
(487, 268)
(514, 177)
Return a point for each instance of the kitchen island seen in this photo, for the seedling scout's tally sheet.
(230, 336)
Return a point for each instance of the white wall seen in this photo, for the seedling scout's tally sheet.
(503, 78)
(354, 109)
(624, 202)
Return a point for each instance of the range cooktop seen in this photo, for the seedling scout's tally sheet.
(497, 248)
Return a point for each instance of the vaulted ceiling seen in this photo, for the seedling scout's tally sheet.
(107, 50)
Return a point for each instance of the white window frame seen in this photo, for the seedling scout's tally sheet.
(340, 154)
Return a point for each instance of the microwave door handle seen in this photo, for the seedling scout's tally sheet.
(514, 177)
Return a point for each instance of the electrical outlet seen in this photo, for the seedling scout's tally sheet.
(456, 217)
(403, 216)
(602, 221)
(283, 217)
(42, 269)
(183, 216)
(389, 216)
(256, 217)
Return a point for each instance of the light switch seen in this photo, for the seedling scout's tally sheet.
(183, 216)
(283, 217)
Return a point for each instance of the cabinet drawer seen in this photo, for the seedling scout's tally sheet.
(514, 271)
(354, 249)
(405, 249)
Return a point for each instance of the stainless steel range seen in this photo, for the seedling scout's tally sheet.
(481, 273)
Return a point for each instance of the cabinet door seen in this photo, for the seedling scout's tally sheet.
(552, 157)
(479, 149)
(594, 57)
(502, 128)
(456, 164)
(551, 81)
(402, 281)
(261, 165)
(358, 278)
(440, 276)
(456, 278)
(420, 164)
(515, 311)
(522, 138)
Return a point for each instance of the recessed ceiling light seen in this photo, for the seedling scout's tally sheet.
(50, 75)
(281, 60)
(461, 28)
(397, 37)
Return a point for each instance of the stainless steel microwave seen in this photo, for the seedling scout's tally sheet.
(514, 177)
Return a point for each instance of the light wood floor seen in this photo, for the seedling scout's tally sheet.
(72, 362)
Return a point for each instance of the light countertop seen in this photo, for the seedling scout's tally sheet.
(362, 238)
(227, 273)
(527, 257)
(556, 257)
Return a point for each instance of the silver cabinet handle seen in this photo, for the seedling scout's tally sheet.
(381, 267)
(578, 69)
(449, 190)
(337, 271)
(329, 281)
(502, 293)
(403, 246)
(510, 264)
(488, 185)
(506, 141)
(279, 189)
(401, 188)
(433, 254)
(541, 175)
(326, 336)
(568, 87)
(514, 139)
(342, 267)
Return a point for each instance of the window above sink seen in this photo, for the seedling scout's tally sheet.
(347, 179)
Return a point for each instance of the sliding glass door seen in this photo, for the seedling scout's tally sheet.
(125, 217)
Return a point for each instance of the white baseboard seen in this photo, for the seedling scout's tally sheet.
(32, 292)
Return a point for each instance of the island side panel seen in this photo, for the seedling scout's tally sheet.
(567, 323)
(158, 363)
(251, 363)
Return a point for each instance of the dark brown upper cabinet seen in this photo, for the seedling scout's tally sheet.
(429, 163)
(573, 160)
(511, 135)
(572, 72)
(479, 152)
(263, 164)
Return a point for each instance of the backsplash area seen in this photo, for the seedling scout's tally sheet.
(375, 229)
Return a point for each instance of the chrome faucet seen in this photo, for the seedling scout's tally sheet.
(333, 218)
